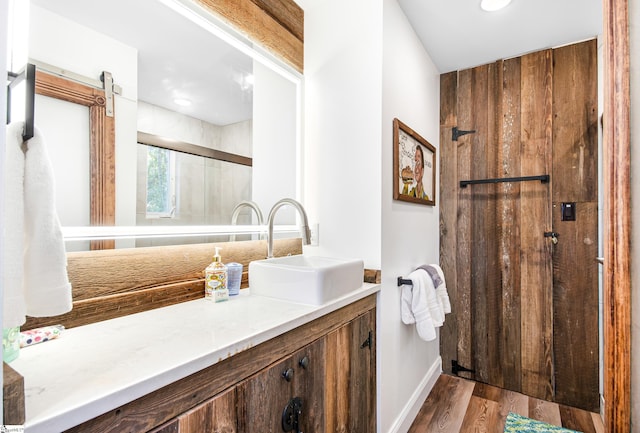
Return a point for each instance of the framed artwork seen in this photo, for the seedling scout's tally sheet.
(414, 166)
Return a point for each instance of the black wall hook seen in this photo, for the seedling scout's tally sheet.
(402, 281)
(456, 133)
(28, 74)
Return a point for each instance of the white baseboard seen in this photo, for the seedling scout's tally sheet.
(411, 409)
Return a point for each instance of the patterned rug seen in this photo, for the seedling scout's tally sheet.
(520, 424)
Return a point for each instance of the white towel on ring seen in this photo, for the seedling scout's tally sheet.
(437, 276)
(13, 308)
(419, 305)
(40, 285)
(46, 283)
(441, 291)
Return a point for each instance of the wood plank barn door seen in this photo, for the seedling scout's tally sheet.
(525, 308)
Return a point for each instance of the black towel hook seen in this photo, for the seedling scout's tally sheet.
(402, 282)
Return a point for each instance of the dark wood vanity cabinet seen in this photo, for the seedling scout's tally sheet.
(215, 415)
(291, 389)
(332, 379)
(328, 365)
(350, 391)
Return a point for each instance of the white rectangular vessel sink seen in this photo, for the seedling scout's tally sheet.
(305, 279)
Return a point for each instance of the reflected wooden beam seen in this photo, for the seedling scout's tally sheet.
(192, 149)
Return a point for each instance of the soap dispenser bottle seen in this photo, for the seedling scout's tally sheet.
(215, 279)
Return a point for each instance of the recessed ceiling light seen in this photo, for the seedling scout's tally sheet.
(182, 102)
(493, 5)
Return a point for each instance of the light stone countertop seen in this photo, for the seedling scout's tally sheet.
(92, 369)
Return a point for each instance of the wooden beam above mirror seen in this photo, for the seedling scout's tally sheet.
(276, 25)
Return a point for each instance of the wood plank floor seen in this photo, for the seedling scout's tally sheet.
(457, 405)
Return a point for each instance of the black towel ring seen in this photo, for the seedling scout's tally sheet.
(402, 282)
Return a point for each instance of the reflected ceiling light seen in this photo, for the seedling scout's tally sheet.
(493, 5)
(182, 102)
(247, 82)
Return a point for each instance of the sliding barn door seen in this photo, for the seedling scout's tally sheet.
(522, 277)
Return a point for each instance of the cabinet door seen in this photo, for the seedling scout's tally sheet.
(263, 397)
(351, 377)
(217, 415)
(309, 385)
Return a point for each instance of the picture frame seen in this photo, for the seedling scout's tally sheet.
(411, 182)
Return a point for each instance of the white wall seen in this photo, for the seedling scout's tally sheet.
(410, 232)
(343, 81)
(634, 32)
(274, 142)
(363, 67)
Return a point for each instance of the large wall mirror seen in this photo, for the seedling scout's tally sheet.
(182, 76)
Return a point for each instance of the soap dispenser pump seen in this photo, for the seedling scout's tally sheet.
(215, 279)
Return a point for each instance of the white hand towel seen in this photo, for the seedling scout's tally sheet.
(441, 290)
(13, 309)
(437, 282)
(416, 304)
(46, 283)
(406, 297)
(435, 308)
(441, 286)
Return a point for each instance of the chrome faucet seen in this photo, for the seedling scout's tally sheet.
(304, 229)
(236, 213)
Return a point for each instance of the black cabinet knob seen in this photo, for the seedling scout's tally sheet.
(288, 374)
(304, 362)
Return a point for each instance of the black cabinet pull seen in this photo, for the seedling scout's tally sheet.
(288, 374)
(367, 342)
(304, 362)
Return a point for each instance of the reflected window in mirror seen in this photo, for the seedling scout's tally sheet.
(185, 184)
(161, 183)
